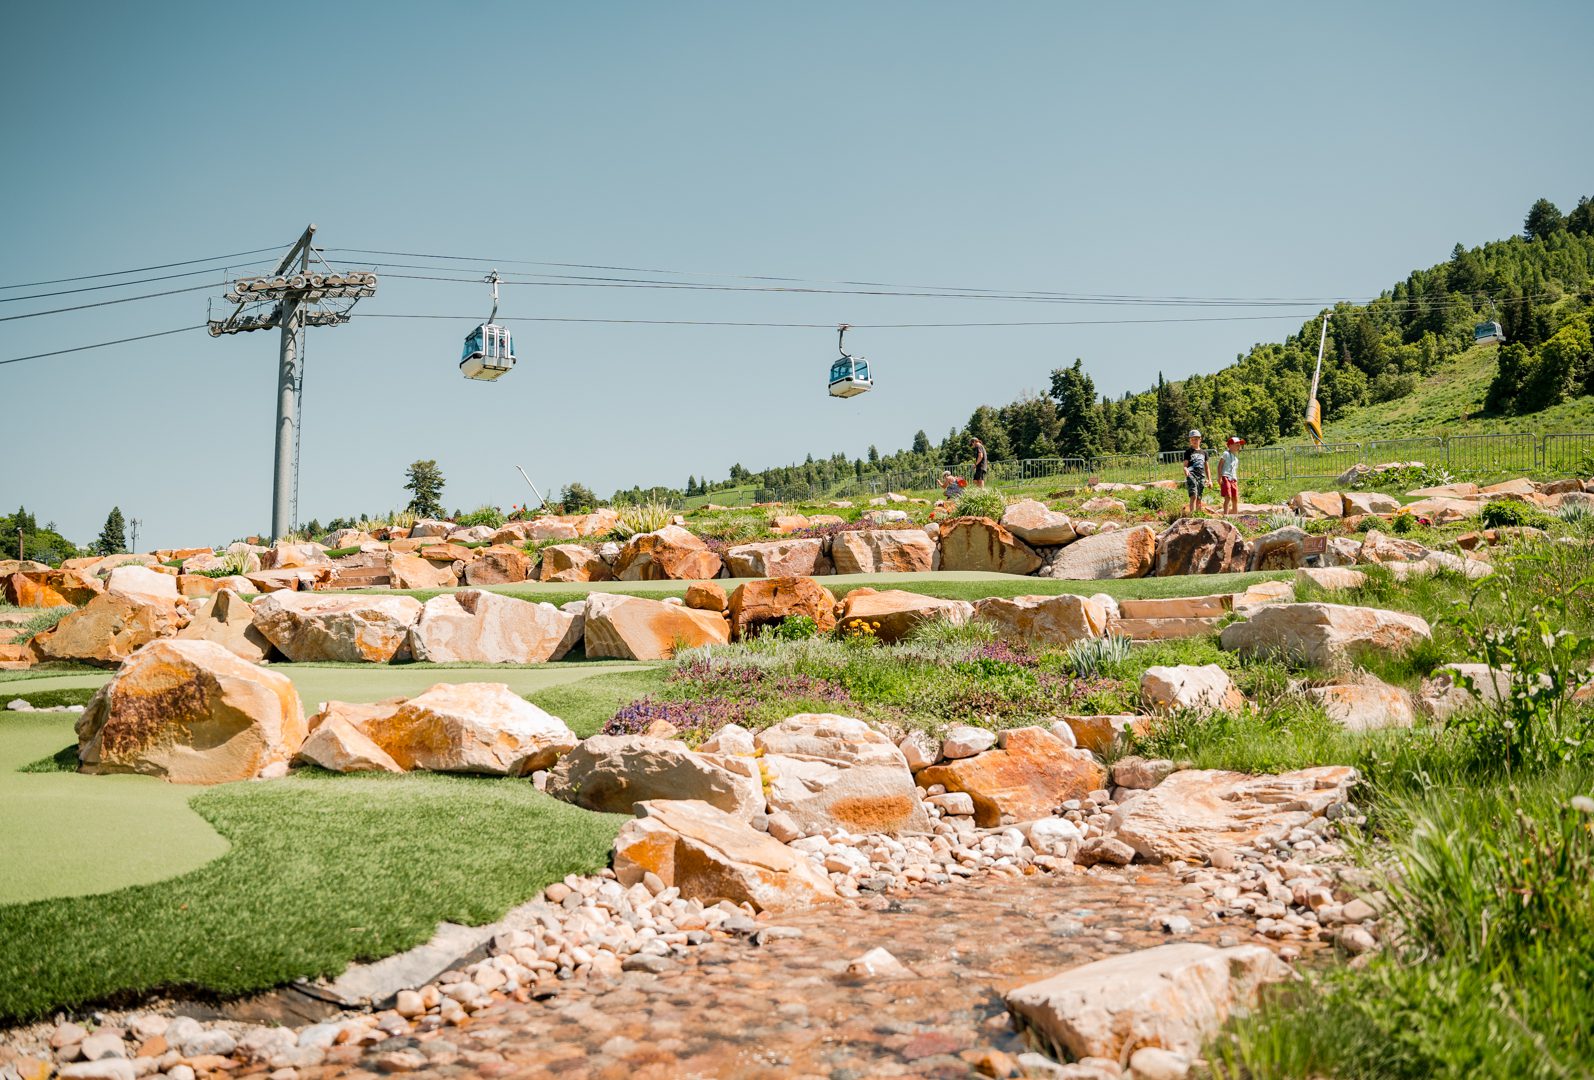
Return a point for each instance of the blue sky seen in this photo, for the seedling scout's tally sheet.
(1151, 149)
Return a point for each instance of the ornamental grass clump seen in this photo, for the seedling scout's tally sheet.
(643, 518)
(981, 502)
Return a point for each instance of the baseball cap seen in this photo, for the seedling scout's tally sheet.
(1194, 434)
(1235, 440)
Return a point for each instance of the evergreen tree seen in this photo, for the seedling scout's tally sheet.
(113, 537)
(921, 441)
(1580, 222)
(986, 426)
(874, 455)
(1174, 419)
(1543, 221)
(577, 498)
(425, 485)
(1082, 430)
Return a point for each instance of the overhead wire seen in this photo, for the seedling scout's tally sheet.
(105, 303)
(142, 269)
(227, 268)
(102, 344)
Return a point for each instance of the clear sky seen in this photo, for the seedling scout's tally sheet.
(1238, 150)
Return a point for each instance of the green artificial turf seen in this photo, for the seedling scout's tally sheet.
(323, 870)
(588, 704)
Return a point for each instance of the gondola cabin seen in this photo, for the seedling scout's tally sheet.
(489, 352)
(1488, 333)
(849, 377)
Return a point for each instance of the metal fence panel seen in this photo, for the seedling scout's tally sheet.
(1429, 450)
(1568, 455)
(1122, 468)
(1330, 459)
(1492, 453)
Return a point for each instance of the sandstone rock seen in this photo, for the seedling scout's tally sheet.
(611, 773)
(828, 772)
(228, 620)
(473, 728)
(107, 630)
(789, 523)
(711, 856)
(778, 559)
(1434, 561)
(1101, 733)
(977, 543)
(1317, 504)
(757, 604)
(1172, 997)
(572, 562)
(1369, 502)
(1379, 548)
(707, 596)
(142, 584)
(1518, 486)
(447, 554)
(287, 556)
(51, 588)
(1045, 620)
(1103, 504)
(1330, 577)
(413, 572)
(472, 534)
(1027, 778)
(1197, 811)
(199, 587)
(192, 713)
(1104, 850)
(28, 566)
(297, 579)
(471, 626)
(430, 527)
(632, 628)
(1323, 634)
(964, 741)
(1200, 546)
(730, 739)
(1138, 773)
(879, 964)
(1281, 549)
(670, 553)
(339, 746)
(1033, 523)
(1442, 511)
(883, 551)
(1188, 687)
(1442, 695)
(1461, 490)
(897, 612)
(1365, 705)
(498, 565)
(1120, 553)
(307, 627)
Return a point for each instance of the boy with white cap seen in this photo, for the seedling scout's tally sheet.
(1197, 473)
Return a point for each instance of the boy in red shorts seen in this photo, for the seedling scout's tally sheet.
(1229, 475)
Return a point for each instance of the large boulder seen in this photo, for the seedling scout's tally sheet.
(228, 620)
(339, 746)
(829, 772)
(142, 584)
(108, 629)
(612, 773)
(407, 571)
(668, 554)
(1171, 997)
(1367, 704)
(1200, 546)
(1369, 502)
(1378, 548)
(883, 551)
(572, 562)
(1033, 523)
(1025, 778)
(309, 626)
(1317, 504)
(1281, 549)
(1043, 620)
(1197, 811)
(632, 628)
(28, 566)
(1101, 733)
(892, 614)
(978, 543)
(472, 626)
(1118, 553)
(1443, 511)
(710, 856)
(1443, 694)
(472, 728)
(779, 558)
(48, 588)
(1189, 687)
(498, 565)
(192, 713)
(1323, 634)
(757, 604)
(285, 555)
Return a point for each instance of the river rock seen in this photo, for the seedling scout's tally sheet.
(1200, 546)
(1043, 620)
(1174, 997)
(1197, 811)
(193, 713)
(573, 562)
(310, 626)
(472, 728)
(670, 553)
(1033, 523)
(632, 628)
(1118, 553)
(754, 605)
(1323, 634)
(109, 629)
(228, 620)
(978, 543)
(828, 772)
(892, 613)
(712, 856)
(1026, 778)
(883, 551)
(612, 773)
(779, 558)
(471, 626)
(1182, 687)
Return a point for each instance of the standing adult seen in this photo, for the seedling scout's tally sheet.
(981, 462)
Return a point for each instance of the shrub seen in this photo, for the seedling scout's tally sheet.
(644, 517)
(482, 515)
(793, 628)
(1403, 522)
(1274, 522)
(981, 502)
(1157, 500)
(1089, 658)
(1505, 512)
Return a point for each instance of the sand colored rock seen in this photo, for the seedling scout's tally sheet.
(828, 772)
(632, 628)
(712, 856)
(472, 626)
(142, 584)
(779, 558)
(1043, 620)
(287, 556)
(572, 562)
(1117, 553)
(1196, 811)
(1380, 548)
(1365, 705)
(339, 746)
(109, 629)
(307, 626)
(192, 713)
(1200, 546)
(612, 773)
(51, 588)
(1281, 549)
(1330, 577)
(228, 620)
(1317, 504)
(706, 596)
(1323, 634)
(978, 543)
(892, 613)
(757, 604)
(1033, 523)
(1100, 733)
(1202, 688)
(1026, 778)
(668, 554)
(473, 728)
(1369, 502)
(498, 565)
(1443, 511)
(413, 572)
(883, 551)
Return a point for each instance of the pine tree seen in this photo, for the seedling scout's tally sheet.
(1544, 220)
(1174, 419)
(921, 442)
(425, 485)
(113, 537)
(1581, 220)
(1083, 430)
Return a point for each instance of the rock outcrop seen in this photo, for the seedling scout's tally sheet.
(632, 628)
(778, 559)
(1323, 634)
(978, 543)
(883, 551)
(471, 626)
(308, 626)
(670, 553)
(108, 629)
(1119, 553)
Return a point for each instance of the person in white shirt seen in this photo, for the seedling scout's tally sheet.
(1229, 475)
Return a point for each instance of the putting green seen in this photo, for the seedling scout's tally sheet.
(68, 834)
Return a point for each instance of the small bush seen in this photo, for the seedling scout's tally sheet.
(1403, 523)
(1274, 522)
(1157, 500)
(482, 515)
(1508, 512)
(1089, 658)
(981, 502)
(793, 628)
(644, 517)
